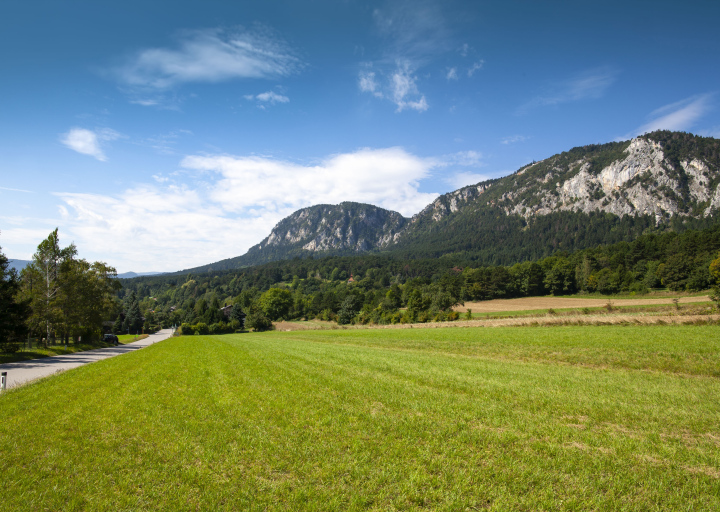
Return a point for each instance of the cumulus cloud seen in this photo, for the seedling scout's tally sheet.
(210, 55)
(88, 142)
(233, 204)
(451, 74)
(680, 115)
(384, 177)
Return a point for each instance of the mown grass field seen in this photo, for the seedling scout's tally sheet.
(543, 418)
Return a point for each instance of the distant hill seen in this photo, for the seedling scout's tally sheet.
(130, 275)
(589, 195)
(18, 264)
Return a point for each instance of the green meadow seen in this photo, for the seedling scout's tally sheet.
(539, 418)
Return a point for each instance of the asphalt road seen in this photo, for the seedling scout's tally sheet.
(24, 371)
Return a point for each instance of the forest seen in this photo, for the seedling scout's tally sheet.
(385, 289)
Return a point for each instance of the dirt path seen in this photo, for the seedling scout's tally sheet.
(532, 303)
(21, 372)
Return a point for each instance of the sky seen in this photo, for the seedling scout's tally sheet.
(159, 136)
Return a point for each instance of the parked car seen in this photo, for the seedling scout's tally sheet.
(111, 338)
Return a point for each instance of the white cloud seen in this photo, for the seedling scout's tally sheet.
(590, 84)
(452, 74)
(270, 97)
(513, 139)
(401, 87)
(678, 116)
(367, 83)
(210, 55)
(475, 67)
(405, 93)
(384, 177)
(233, 205)
(464, 49)
(87, 142)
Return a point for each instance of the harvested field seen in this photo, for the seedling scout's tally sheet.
(613, 319)
(533, 303)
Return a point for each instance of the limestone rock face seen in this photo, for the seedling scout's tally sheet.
(346, 227)
(641, 181)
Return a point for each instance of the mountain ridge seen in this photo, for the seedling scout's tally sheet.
(598, 193)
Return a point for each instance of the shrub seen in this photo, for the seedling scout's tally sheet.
(452, 316)
(257, 321)
(201, 328)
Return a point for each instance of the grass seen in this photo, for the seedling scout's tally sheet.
(25, 354)
(549, 418)
(129, 338)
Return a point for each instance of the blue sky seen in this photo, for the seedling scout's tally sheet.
(162, 135)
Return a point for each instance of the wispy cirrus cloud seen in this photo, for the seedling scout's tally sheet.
(269, 97)
(589, 84)
(680, 115)
(405, 93)
(476, 66)
(88, 142)
(368, 83)
(465, 178)
(513, 139)
(206, 56)
(413, 33)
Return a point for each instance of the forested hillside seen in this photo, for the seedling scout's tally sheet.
(387, 288)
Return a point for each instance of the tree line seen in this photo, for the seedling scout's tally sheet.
(58, 296)
(385, 289)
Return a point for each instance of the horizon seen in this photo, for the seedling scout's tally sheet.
(186, 142)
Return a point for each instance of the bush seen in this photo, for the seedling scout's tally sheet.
(201, 328)
(9, 346)
(257, 321)
(452, 316)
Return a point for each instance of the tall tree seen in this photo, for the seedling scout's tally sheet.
(13, 311)
(42, 282)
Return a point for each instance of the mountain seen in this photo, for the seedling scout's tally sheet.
(346, 228)
(589, 195)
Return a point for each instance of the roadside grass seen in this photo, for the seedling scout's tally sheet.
(550, 418)
(25, 354)
(129, 338)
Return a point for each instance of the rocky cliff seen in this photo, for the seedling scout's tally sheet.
(582, 197)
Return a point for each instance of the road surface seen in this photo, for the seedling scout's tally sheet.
(24, 371)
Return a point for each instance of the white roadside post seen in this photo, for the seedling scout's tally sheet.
(3, 380)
